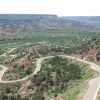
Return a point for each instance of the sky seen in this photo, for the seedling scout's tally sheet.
(58, 7)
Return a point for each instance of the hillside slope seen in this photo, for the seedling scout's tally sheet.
(90, 49)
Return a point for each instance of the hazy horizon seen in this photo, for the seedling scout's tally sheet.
(56, 7)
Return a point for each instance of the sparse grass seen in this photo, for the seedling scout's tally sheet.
(98, 98)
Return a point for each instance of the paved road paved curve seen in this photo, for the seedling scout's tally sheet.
(93, 86)
(2, 71)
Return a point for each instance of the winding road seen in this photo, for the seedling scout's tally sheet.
(94, 84)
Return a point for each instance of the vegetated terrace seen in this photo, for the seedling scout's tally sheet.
(62, 76)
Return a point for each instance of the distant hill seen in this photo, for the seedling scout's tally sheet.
(24, 22)
(86, 19)
(25, 16)
(13, 24)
